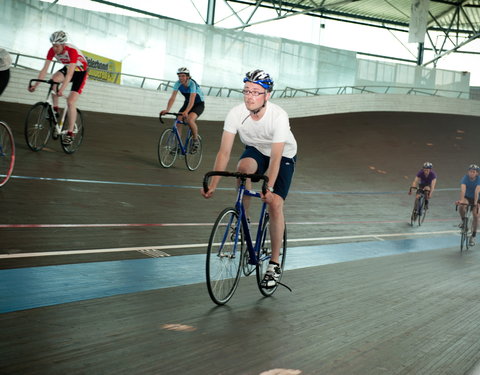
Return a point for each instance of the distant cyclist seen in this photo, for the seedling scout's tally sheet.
(425, 180)
(194, 104)
(5, 62)
(469, 190)
(74, 71)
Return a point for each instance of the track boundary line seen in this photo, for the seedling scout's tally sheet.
(184, 246)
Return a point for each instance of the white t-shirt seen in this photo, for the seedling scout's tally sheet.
(273, 127)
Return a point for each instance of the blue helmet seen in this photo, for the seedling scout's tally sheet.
(259, 77)
(427, 165)
(473, 167)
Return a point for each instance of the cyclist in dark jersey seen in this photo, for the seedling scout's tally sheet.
(425, 180)
(194, 103)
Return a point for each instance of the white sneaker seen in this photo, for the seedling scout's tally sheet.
(272, 276)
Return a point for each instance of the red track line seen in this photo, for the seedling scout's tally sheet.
(198, 224)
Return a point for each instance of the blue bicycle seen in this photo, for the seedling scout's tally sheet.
(231, 248)
(171, 145)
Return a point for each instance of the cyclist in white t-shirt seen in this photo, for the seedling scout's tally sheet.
(271, 149)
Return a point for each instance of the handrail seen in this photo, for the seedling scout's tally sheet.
(158, 84)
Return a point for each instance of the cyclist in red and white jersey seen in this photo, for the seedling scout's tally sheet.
(74, 71)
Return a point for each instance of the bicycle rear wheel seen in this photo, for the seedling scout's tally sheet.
(38, 126)
(167, 148)
(266, 254)
(7, 153)
(194, 155)
(224, 257)
(78, 133)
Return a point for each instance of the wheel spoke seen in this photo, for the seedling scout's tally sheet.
(224, 256)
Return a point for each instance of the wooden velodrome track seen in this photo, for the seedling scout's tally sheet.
(410, 313)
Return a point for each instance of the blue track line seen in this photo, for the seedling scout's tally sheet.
(27, 288)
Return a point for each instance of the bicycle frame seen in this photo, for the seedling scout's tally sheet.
(57, 124)
(183, 147)
(253, 250)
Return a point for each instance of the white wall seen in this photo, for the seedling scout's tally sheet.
(110, 98)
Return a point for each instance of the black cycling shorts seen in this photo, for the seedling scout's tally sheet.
(78, 80)
(197, 108)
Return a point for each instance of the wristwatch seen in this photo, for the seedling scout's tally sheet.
(270, 189)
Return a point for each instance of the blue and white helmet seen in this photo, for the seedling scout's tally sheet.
(259, 77)
(58, 37)
(473, 167)
(427, 165)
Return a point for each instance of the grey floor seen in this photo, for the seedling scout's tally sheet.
(410, 313)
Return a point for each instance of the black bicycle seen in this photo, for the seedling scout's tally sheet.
(466, 225)
(419, 207)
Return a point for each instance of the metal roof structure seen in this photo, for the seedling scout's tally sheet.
(457, 21)
(451, 24)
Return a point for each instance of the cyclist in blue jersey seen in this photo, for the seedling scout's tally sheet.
(194, 104)
(425, 180)
(469, 190)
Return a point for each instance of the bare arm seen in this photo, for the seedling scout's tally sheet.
(434, 182)
(414, 184)
(221, 161)
(170, 102)
(41, 75)
(275, 159)
(463, 189)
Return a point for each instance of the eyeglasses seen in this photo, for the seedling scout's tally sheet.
(253, 93)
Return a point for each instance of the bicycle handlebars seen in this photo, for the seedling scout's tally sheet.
(242, 176)
(466, 204)
(51, 82)
(168, 113)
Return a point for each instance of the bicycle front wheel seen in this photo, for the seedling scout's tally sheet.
(7, 153)
(194, 154)
(413, 217)
(421, 219)
(464, 235)
(421, 211)
(265, 255)
(78, 133)
(167, 148)
(38, 126)
(224, 257)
